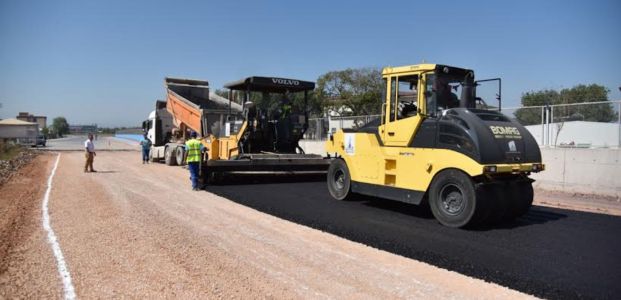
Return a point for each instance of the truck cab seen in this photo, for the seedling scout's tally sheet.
(158, 126)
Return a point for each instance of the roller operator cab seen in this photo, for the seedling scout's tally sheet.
(438, 143)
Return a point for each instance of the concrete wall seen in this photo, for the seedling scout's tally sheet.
(313, 147)
(586, 171)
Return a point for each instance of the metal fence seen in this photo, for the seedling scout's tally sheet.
(576, 125)
(320, 128)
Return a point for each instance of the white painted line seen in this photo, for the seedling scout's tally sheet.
(69, 290)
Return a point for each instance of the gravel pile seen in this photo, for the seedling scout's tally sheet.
(10, 167)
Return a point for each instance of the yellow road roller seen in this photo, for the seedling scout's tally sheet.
(437, 143)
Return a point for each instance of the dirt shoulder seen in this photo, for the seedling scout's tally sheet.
(580, 202)
(27, 267)
(12, 158)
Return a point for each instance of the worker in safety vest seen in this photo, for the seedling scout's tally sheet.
(193, 154)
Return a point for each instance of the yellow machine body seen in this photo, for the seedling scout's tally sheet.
(385, 161)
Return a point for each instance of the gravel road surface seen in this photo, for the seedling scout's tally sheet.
(138, 231)
(551, 253)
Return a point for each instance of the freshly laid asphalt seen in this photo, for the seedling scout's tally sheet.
(549, 253)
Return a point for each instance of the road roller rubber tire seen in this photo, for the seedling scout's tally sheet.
(501, 204)
(339, 181)
(484, 205)
(523, 195)
(452, 198)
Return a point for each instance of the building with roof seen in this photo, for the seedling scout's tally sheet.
(27, 117)
(19, 131)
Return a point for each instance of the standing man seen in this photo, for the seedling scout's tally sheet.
(193, 154)
(89, 154)
(146, 148)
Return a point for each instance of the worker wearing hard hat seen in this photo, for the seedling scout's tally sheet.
(193, 155)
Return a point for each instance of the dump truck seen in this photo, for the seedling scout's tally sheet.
(432, 147)
(240, 137)
(189, 106)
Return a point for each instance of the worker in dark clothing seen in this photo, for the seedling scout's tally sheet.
(446, 98)
(146, 148)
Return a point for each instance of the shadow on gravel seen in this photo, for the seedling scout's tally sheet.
(244, 179)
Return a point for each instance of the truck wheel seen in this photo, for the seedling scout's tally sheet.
(339, 181)
(179, 152)
(151, 157)
(452, 198)
(169, 157)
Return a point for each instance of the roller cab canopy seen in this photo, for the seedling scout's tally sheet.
(270, 85)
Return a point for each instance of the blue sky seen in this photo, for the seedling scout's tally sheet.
(104, 61)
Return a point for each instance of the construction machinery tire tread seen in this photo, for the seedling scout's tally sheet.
(179, 153)
(452, 198)
(169, 157)
(523, 195)
(339, 181)
(501, 204)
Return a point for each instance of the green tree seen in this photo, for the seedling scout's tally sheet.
(584, 94)
(577, 94)
(530, 116)
(45, 131)
(312, 105)
(357, 90)
(60, 126)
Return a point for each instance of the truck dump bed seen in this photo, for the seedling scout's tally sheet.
(193, 106)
